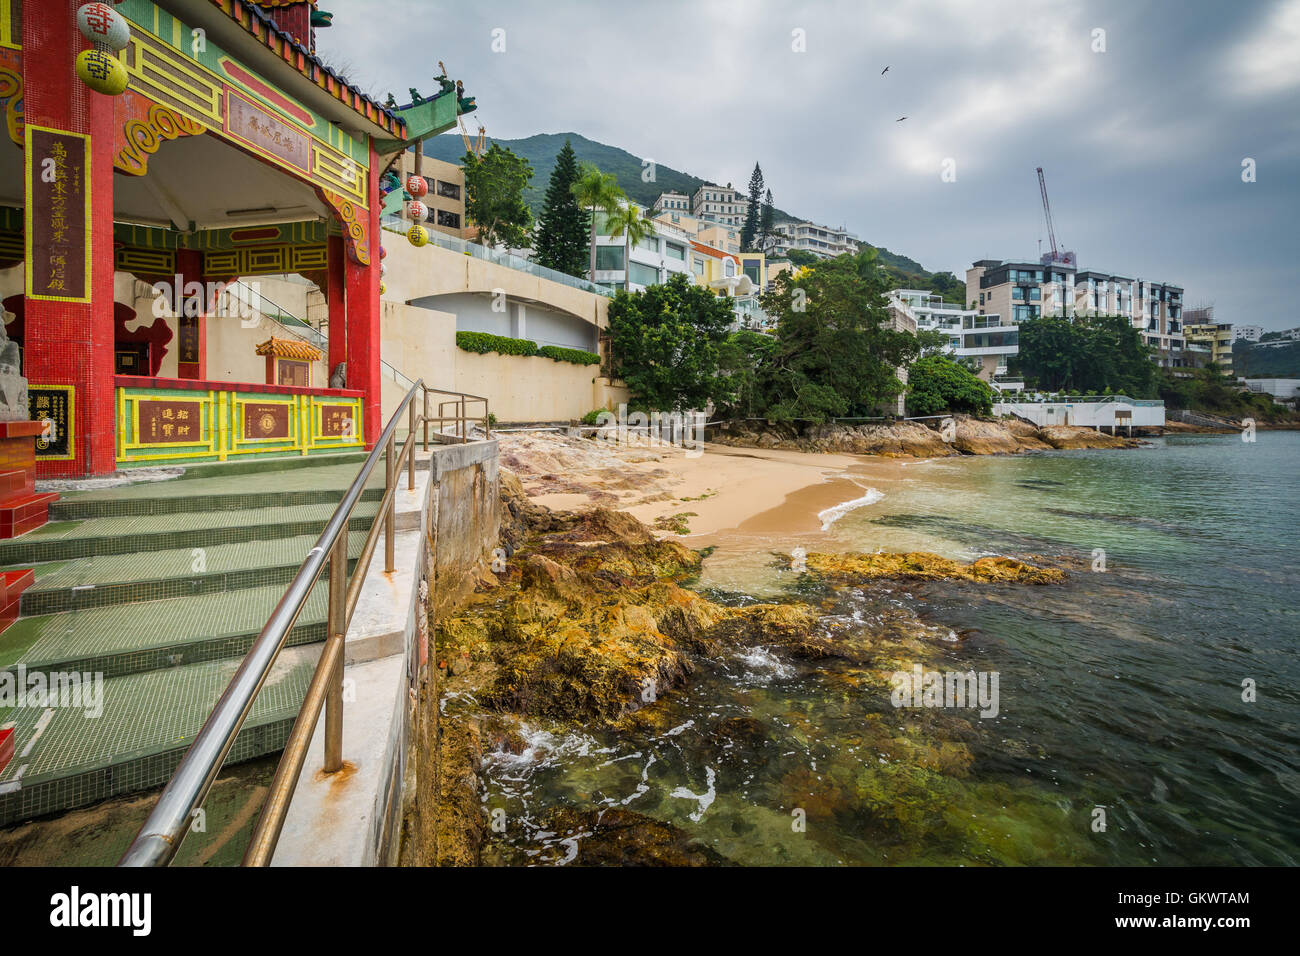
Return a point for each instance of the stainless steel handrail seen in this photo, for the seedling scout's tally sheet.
(159, 839)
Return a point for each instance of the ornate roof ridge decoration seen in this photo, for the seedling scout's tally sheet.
(290, 349)
(262, 25)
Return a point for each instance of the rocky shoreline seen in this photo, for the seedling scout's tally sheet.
(970, 436)
(591, 625)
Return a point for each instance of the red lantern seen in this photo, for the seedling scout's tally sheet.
(417, 186)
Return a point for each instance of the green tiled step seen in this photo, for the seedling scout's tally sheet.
(65, 758)
(69, 540)
(73, 509)
(130, 638)
(157, 575)
(298, 486)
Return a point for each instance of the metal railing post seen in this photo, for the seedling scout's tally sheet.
(390, 516)
(336, 631)
(463, 436)
(410, 437)
(426, 419)
(161, 834)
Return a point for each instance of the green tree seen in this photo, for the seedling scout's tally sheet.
(765, 223)
(596, 191)
(494, 189)
(836, 349)
(634, 225)
(937, 384)
(801, 257)
(666, 341)
(753, 213)
(561, 238)
(746, 358)
(1087, 354)
(931, 342)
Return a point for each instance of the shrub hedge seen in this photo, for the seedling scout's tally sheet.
(485, 342)
(576, 356)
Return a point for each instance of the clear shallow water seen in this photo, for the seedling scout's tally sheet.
(1120, 690)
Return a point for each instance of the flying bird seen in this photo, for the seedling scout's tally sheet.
(884, 71)
(900, 119)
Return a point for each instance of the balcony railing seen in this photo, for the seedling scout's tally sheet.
(507, 259)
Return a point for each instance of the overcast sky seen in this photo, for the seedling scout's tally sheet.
(1142, 144)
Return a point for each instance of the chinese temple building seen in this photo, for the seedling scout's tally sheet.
(212, 148)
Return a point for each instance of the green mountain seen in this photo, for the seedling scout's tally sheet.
(540, 151)
(1266, 361)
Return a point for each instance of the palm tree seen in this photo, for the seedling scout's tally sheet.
(635, 225)
(596, 190)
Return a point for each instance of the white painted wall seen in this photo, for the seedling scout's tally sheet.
(1088, 414)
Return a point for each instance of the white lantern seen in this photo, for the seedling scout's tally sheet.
(416, 210)
(100, 23)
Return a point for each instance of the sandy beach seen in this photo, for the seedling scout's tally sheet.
(724, 494)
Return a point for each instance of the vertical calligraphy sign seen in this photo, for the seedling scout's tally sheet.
(58, 217)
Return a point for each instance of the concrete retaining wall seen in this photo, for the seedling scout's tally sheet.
(446, 529)
(421, 343)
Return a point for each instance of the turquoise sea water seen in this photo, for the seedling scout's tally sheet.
(1120, 692)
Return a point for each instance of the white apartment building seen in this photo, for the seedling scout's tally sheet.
(673, 202)
(721, 204)
(1250, 333)
(1026, 290)
(825, 242)
(652, 261)
(987, 338)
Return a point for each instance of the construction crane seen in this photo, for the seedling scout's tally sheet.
(474, 146)
(1055, 256)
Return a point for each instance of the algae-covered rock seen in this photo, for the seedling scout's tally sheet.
(618, 837)
(924, 566)
(458, 823)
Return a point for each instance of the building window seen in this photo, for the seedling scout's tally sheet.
(675, 251)
(448, 190)
(643, 274)
(698, 265)
(449, 219)
(609, 258)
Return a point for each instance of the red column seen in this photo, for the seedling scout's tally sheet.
(192, 330)
(363, 316)
(71, 343)
(336, 284)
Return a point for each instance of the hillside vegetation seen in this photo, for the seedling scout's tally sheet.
(541, 150)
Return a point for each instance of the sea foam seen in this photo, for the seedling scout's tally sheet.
(832, 515)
